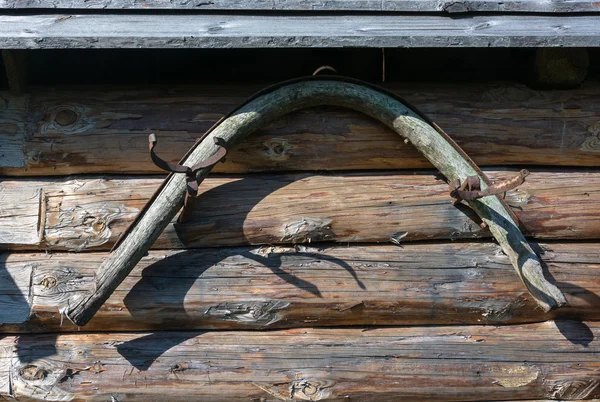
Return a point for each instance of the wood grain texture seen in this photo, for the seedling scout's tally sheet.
(282, 287)
(53, 31)
(20, 215)
(536, 361)
(106, 131)
(456, 6)
(13, 118)
(91, 213)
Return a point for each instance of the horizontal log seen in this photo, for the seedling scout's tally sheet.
(283, 287)
(269, 30)
(552, 360)
(90, 214)
(571, 6)
(106, 131)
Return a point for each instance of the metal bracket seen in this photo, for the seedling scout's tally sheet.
(190, 172)
(471, 190)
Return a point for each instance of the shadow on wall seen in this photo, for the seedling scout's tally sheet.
(14, 287)
(575, 331)
(138, 298)
(15, 308)
(235, 215)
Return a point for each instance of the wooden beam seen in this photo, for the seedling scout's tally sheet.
(450, 6)
(557, 360)
(555, 68)
(106, 131)
(54, 31)
(90, 213)
(15, 64)
(282, 287)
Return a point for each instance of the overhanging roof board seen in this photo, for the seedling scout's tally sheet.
(450, 6)
(295, 31)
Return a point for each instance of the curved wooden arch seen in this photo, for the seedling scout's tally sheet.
(288, 97)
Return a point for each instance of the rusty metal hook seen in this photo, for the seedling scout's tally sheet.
(471, 190)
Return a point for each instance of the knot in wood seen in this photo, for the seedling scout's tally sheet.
(311, 390)
(65, 117)
(96, 223)
(49, 282)
(99, 225)
(277, 149)
(32, 372)
(576, 388)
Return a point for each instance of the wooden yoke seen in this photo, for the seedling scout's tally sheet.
(288, 97)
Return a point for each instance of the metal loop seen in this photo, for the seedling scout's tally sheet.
(161, 163)
(190, 172)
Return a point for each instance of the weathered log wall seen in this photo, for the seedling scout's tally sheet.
(85, 214)
(276, 285)
(57, 132)
(537, 361)
(279, 287)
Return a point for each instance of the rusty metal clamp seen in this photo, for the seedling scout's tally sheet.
(190, 172)
(471, 190)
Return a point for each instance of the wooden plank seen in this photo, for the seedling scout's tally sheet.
(283, 287)
(87, 213)
(106, 131)
(536, 361)
(570, 6)
(53, 31)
